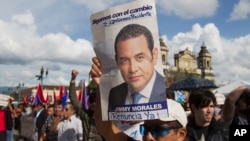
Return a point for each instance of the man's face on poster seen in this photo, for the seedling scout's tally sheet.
(136, 61)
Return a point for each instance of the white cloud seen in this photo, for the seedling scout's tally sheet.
(57, 35)
(229, 56)
(241, 10)
(188, 9)
(23, 52)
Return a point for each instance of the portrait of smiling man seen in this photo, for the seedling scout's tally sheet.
(136, 58)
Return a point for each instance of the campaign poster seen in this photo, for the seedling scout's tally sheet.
(126, 40)
(4, 100)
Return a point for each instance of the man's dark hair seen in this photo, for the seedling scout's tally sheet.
(70, 105)
(50, 106)
(201, 97)
(58, 102)
(245, 96)
(40, 104)
(132, 31)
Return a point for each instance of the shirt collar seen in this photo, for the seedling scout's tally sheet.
(146, 92)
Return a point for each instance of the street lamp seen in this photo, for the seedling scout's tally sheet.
(41, 76)
(18, 87)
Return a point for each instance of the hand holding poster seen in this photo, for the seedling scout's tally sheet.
(126, 41)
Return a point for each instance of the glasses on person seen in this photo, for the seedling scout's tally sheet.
(156, 131)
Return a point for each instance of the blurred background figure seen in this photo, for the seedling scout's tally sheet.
(70, 128)
(40, 119)
(48, 122)
(2, 124)
(220, 99)
(10, 116)
(86, 115)
(236, 109)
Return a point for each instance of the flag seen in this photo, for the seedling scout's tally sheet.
(179, 97)
(47, 98)
(54, 95)
(31, 98)
(36, 100)
(79, 96)
(25, 100)
(64, 98)
(84, 96)
(61, 92)
(40, 93)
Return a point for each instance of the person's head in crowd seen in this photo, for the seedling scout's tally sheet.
(168, 129)
(69, 110)
(92, 101)
(170, 93)
(135, 55)
(21, 108)
(50, 110)
(39, 106)
(28, 109)
(202, 103)
(242, 105)
(58, 107)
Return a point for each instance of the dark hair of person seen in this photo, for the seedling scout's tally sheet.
(170, 93)
(58, 102)
(50, 106)
(70, 105)
(40, 104)
(245, 96)
(201, 97)
(132, 31)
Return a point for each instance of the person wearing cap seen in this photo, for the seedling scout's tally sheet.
(202, 124)
(169, 129)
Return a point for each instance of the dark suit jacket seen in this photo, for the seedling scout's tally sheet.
(40, 121)
(118, 94)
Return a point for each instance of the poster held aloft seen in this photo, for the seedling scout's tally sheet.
(4, 100)
(126, 40)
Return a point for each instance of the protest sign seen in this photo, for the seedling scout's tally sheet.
(4, 100)
(126, 40)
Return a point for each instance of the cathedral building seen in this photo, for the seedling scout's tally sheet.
(187, 64)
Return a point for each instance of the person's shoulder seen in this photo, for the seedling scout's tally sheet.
(119, 87)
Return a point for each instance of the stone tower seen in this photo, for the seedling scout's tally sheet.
(204, 63)
(164, 56)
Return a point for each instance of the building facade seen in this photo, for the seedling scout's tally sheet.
(186, 63)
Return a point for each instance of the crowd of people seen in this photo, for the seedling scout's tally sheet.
(73, 122)
(202, 124)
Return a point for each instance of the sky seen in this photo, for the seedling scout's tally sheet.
(56, 34)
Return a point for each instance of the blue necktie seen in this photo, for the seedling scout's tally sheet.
(136, 97)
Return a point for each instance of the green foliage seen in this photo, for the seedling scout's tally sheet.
(92, 85)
